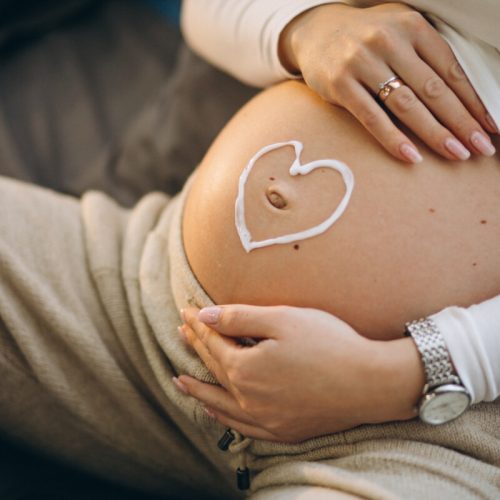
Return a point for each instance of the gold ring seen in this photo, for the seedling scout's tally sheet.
(387, 87)
(389, 80)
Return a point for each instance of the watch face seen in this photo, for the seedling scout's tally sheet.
(443, 404)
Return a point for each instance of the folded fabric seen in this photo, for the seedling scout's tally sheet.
(89, 301)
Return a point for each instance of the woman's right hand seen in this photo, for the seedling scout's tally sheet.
(308, 374)
(344, 53)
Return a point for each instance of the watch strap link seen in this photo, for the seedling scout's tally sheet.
(432, 348)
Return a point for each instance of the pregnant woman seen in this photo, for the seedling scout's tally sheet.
(342, 53)
(90, 294)
(411, 242)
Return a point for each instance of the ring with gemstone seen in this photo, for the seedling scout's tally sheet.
(393, 83)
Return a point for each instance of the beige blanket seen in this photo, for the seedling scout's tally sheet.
(89, 298)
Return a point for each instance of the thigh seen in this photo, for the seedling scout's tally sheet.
(67, 384)
(302, 493)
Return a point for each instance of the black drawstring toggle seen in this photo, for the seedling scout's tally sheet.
(243, 478)
(242, 474)
(226, 439)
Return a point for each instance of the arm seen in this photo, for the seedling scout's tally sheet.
(344, 53)
(289, 387)
(472, 336)
(242, 37)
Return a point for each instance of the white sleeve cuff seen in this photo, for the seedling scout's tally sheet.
(242, 37)
(472, 336)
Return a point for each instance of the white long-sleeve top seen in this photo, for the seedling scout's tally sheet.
(241, 37)
(472, 336)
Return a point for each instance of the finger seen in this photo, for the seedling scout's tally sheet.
(247, 430)
(217, 345)
(217, 398)
(410, 110)
(363, 106)
(206, 356)
(433, 49)
(239, 320)
(444, 104)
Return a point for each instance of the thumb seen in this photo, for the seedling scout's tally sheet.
(243, 321)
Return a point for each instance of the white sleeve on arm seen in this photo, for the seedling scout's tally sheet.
(472, 336)
(241, 36)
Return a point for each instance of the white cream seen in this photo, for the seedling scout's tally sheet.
(296, 169)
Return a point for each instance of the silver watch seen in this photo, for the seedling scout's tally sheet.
(444, 397)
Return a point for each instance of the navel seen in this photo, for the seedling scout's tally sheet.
(276, 199)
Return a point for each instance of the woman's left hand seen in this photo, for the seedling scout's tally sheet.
(309, 373)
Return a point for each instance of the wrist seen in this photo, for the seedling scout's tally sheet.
(399, 370)
(303, 29)
(287, 43)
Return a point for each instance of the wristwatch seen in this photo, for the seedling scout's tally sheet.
(444, 397)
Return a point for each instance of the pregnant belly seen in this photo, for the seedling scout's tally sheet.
(412, 239)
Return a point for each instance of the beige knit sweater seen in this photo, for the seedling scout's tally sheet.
(89, 298)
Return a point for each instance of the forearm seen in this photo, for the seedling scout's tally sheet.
(396, 377)
(242, 37)
(472, 336)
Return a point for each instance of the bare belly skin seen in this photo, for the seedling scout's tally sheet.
(413, 240)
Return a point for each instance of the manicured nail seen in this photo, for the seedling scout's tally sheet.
(483, 144)
(209, 315)
(180, 386)
(457, 149)
(209, 412)
(492, 124)
(410, 153)
(182, 334)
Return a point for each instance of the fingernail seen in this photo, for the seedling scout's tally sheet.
(483, 144)
(182, 334)
(492, 124)
(209, 315)
(457, 149)
(180, 386)
(410, 153)
(183, 314)
(208, 411)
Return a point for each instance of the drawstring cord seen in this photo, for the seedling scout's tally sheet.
(242, 472)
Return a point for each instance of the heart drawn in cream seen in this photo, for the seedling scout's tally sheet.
(296, 169)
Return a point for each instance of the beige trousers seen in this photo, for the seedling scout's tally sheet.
(89, 299)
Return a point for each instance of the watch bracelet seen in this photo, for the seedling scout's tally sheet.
(433, 351)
